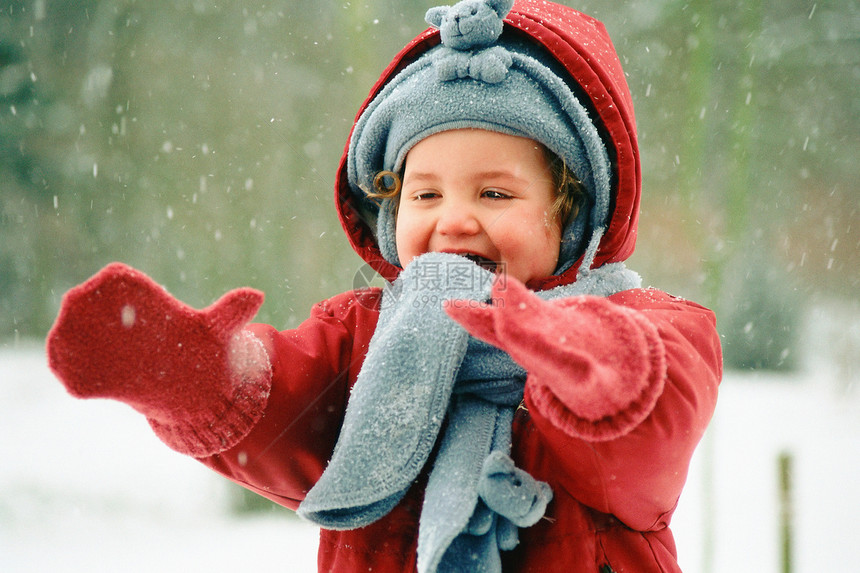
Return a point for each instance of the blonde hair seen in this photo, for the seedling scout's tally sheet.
(570, 193)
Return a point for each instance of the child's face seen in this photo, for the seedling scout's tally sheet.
(482, 194)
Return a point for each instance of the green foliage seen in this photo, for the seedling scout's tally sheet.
(762, 316)
(198, 140)
(748, 122)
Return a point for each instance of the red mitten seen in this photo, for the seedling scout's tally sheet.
(595, 368)
(199, 378)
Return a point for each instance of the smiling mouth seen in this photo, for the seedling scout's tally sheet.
(482, 262)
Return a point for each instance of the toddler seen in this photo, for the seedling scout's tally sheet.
(513, 400)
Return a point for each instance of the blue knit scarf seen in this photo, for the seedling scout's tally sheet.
(425, 379)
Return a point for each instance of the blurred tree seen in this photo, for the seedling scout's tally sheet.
(198, 140)
(34, 126)
(747, 125)
(183, 138)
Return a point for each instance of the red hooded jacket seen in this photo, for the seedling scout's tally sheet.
(613, 497)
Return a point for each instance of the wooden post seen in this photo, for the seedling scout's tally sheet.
(786, 511)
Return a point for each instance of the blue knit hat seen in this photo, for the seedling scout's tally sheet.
(474, 79)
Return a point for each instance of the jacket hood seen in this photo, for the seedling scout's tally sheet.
(581, 46)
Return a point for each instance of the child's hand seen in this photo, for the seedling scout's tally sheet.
(585, 355)
(521, 323)
(200, 379)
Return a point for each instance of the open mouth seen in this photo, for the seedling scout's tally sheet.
(482, 262)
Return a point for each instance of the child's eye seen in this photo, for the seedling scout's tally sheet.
(425, 195)
(495, 194)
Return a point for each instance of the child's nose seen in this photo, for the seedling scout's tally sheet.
(457, 218)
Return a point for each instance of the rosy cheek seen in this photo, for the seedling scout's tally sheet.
(407, 238)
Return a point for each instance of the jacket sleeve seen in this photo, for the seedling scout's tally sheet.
(630, 457)
(313, 368)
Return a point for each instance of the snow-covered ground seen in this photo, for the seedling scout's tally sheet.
(85, 486)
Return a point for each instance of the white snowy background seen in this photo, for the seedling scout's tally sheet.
(85, 485)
